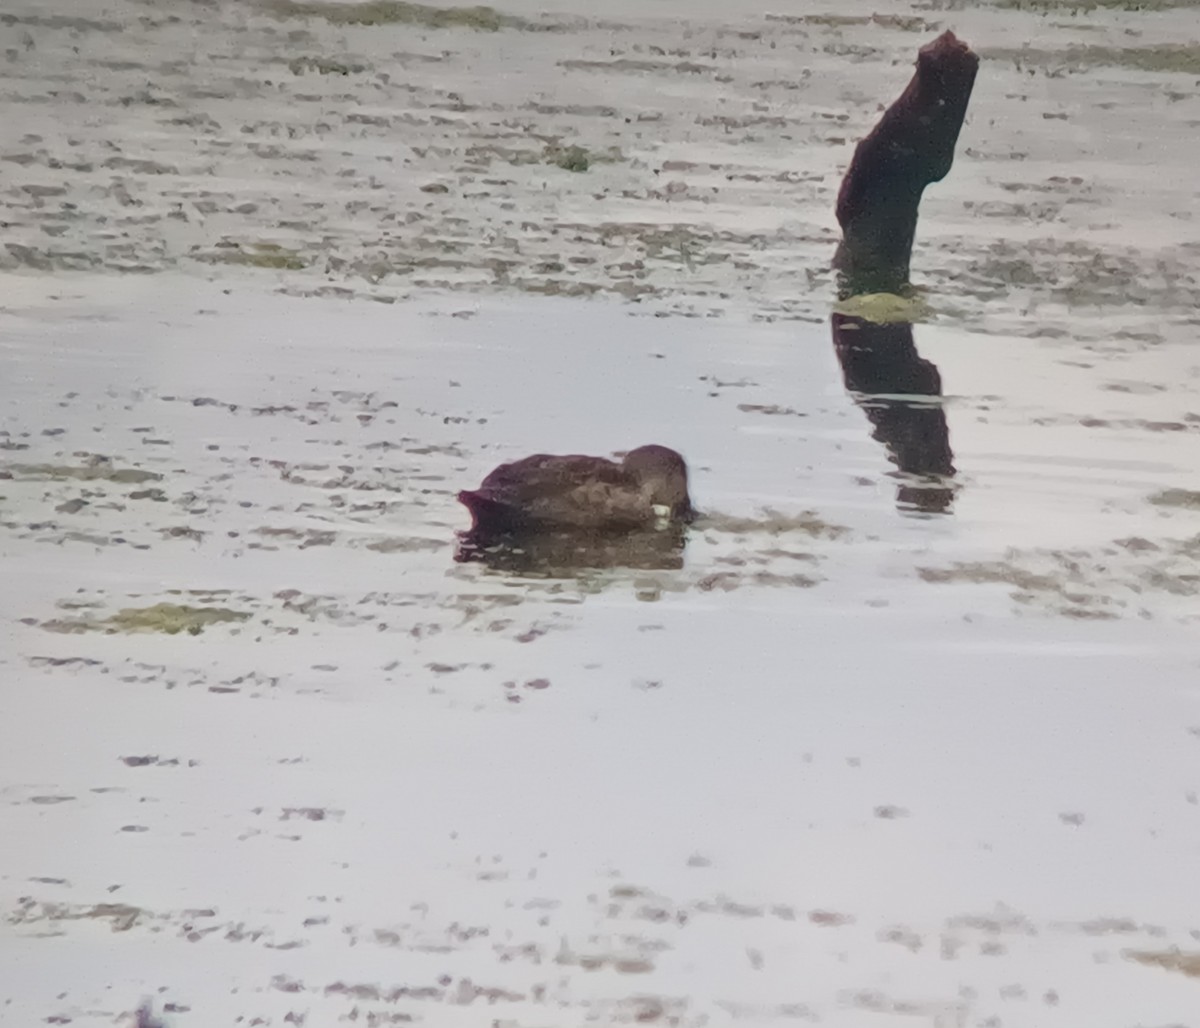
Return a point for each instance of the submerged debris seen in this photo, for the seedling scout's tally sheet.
(146, 1018)
(772, 522)
(398, 12)
(1169, 960)
(1187, 498)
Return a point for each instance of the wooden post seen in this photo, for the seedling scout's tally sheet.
(912, 146)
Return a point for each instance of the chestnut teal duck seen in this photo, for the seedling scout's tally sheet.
(549, 493)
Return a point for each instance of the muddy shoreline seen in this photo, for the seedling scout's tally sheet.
(278, 283)
(387, 160)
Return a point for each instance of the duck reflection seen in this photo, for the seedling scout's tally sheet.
(900, 392)
(565, 554)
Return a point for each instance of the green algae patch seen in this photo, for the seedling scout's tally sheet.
(398, 12)
(168, 618)
(573, 158)
(172, 618)
(570, 158)
(99, 471)
(884, 308)
(256, 255)
(324, 66)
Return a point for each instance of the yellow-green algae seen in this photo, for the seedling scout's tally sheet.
(884, 308)
(256, 255)
(573, 158)
(101, 470)
(169, 618)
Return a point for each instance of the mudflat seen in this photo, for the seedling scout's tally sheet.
(278, 279)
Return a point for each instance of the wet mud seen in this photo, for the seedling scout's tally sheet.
(903, 730)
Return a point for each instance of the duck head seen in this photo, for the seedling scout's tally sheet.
(663, 476)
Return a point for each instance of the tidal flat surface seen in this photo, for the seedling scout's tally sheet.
(888, 745)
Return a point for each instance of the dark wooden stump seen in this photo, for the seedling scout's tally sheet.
(912, 146)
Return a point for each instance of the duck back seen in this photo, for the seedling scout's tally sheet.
(546, 491)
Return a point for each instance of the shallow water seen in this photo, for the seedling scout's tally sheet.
(855, 762)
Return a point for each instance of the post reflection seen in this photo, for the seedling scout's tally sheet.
(901, 394)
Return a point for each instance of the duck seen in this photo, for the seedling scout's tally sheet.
(549, 493)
